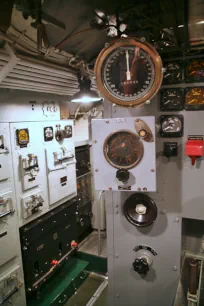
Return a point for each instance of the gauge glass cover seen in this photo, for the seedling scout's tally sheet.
(171, 126)
(194, 70)
(194, 98)
(123, 149)
(173, 73)
(128, 72)
(171, 99)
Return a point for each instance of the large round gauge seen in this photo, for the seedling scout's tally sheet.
(123, 149)
(173, 73)
(194, 98)
(171, 126)
(128, 72)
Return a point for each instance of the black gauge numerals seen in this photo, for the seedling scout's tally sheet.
(128, 73)
(173, 73)
(171, 99)
(194, 71)
(171, 126)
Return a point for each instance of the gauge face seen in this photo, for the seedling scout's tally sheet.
(195, 70)
(171, 126)
(173, 73)
(123, 149)
(194, 98)
(128, 72)
(171, 99)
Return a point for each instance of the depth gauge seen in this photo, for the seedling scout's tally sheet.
(128, 72)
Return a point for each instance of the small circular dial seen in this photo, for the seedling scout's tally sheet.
(123, 149)
(195, 96)
(195, 70)
(128, 73)
(171, 124)
(171, 99)
(173, 73)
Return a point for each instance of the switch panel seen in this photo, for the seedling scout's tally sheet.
(10, 284)
(32, 204)
(62, 183)
(4, 156)
(8, 227)
(29, 170)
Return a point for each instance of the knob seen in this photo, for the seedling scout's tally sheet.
(59, 135)
(123, 175)
(141, 266)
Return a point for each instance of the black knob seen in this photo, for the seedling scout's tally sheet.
(140, 265)
(59, 135)
(123, 175)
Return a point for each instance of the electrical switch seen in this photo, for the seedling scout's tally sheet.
(194, 148)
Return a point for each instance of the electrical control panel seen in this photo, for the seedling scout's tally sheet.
(44, 166)
(123, 148)
(10, 285)
(60, 161)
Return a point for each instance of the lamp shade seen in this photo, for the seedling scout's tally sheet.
(86, 96)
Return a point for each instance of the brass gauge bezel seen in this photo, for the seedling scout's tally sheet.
(141, 150)
(122, 42)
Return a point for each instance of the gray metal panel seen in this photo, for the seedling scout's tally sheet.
(159, 287)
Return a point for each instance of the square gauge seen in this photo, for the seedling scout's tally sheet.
(194, 98)
(171, 99)
(173, 72)
(171, 126)
(194, 70)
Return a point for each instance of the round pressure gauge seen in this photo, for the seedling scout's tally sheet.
(123, 149)
(171, 126)
(173, 73)
(128, 72)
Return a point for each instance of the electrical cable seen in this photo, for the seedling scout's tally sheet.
(72, 35)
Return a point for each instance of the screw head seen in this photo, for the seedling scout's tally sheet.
(110, 188)
(152, 170)
(96, 170)
(139, 189)
(148, 102)
(175, 268)
(145, 189)
(95, 141)
(107, 121)
(116, 255)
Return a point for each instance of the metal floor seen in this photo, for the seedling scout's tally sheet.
(93, 292)
(90, 244)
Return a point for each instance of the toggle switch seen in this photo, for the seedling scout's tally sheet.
(194, 148)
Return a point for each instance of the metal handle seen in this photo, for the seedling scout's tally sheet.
(5, 298)
(64, 300)
(7, 213)
(4, 200)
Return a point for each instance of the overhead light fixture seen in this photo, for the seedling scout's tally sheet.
(85, 94)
